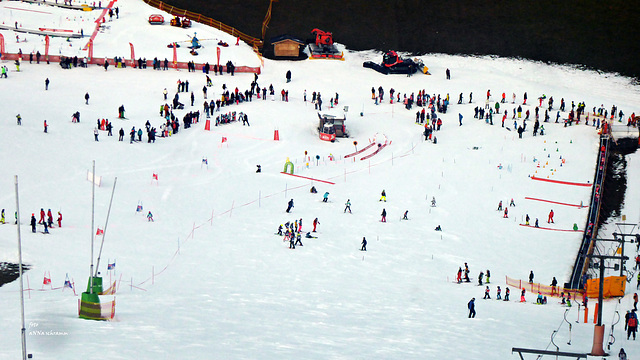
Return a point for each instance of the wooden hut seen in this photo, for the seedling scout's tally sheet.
(287, 46)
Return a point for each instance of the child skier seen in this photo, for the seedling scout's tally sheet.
(347, 206)
(384, 215)
(150, 216)
(325, 197)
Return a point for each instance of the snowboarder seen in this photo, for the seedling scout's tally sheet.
(383, 197)
(472, 308)
(150, 216)
(347, 206)
(364, 244)
(290, 205)
(33, 223)
(550, 219)
(315, 223)
(325, 197)
(384, 215)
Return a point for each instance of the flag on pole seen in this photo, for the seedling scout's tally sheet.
(224, 139)
(111, 266)
(67, 284)
(100, 232)
(46, 281)
(155, 176)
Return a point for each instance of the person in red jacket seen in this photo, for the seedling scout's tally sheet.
(315, 223)
(59, 219)
(550, 220)
(42, 214)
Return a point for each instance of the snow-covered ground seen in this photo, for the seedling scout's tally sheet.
(223, 285)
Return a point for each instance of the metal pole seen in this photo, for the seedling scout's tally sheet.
(93, 200)
(600, 292)
(105, 226)
(22, 330)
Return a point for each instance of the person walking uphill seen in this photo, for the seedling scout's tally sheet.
(383, 196)
(550, 220)
(364, 244)
(384, 215)
(347, 206)
(290, 205)
(86, 98)
(472, 308)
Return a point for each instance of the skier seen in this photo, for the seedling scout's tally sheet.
(95, 133)
(46, 126)
(86, 98)
(49, 218)
(531, 277)
(290, 205)
(46, 84)
(121, 134)
(466, 273)
(2, 217)
(522, 293)
(506, 213)
(347, 206)
(383, 197)
(33, 223)
(164, 92)
(488, 276)
(384, 215)
(19, 119)
(460, 118)
(59, 219)
(459, 276)
(433, 201)
(472, 308)
(448, 73)
(315, 223)
(364, 244)
(41, 216)
(46, 228)
(486, 293)
(506, 294)
(325, 197)
(526, 219)
(554, 284)
(298, 240)
(480, 276)
(404, 217)
(632, 325)
(150, 216)
(292, 244)
(500, 206)
(537, 223)
(499, 293)
(288, 76)
(512, 203)
(550, 220)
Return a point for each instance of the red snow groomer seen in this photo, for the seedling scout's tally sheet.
(323, 47)
(392, 63)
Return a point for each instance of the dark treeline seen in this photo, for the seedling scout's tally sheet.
(598, 34)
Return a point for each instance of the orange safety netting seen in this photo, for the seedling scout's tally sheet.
(542, 289)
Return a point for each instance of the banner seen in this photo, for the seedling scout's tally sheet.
(218, 51)
(46, 47)
(133, 55)
(1, 44)
(175, 56)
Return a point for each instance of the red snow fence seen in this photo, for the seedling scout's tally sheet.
(560, 182)
(309, 178)
(555, 202)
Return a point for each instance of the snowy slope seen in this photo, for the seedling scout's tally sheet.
(224, 286)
